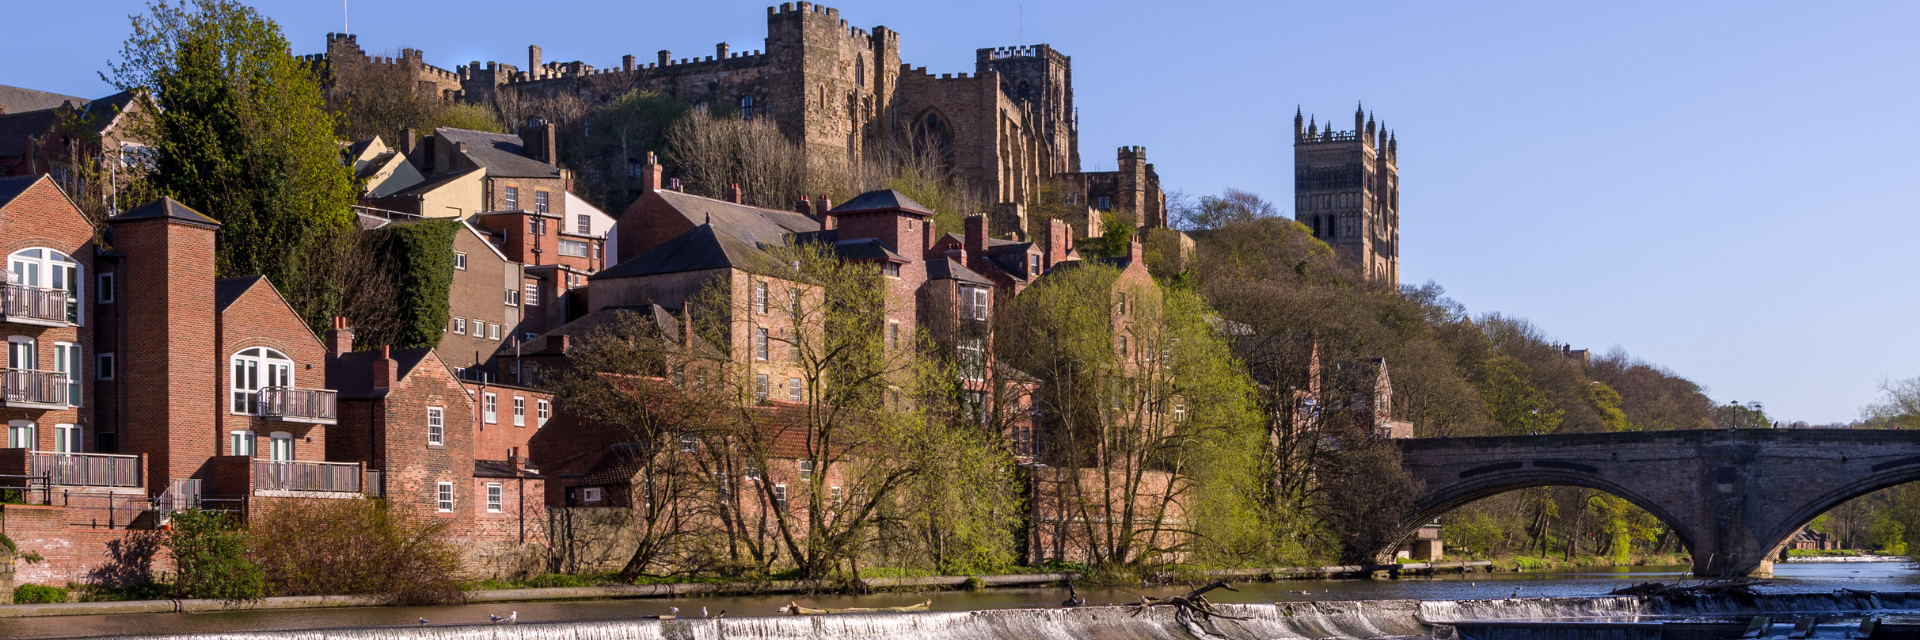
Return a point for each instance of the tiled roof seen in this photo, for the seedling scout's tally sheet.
(881, 200)
(700, 249)
(11, 188)
(502, 154)
(669, 324)
(227, 290)
(165, 207)
(750, 224)
(865, 249)
(351, 374)
(946, 268)
(20, 100)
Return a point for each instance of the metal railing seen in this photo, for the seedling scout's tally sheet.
(33, 303)
(295, 475)
(36, 387)
(293, 403)
(88, 469)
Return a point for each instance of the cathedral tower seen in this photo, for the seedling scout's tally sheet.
(1346, 188)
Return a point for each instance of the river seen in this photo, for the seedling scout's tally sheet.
(1788, 578)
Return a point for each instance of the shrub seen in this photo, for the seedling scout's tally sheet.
(38, 594)
(358, 547)
(209, 550)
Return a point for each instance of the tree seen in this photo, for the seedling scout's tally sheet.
(1213, 212)
(1898, 407)
(625, 130)
(209, 550)
(1149, 419)
(239, 131)
(715, 151)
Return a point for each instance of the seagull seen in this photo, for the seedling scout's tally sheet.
(1073, 597)
(513, 617)
(423, 621)
(722, 614)
(673, 611)
(703, 613)
(494, 618)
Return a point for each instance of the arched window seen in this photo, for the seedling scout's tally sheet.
(933, 135)
(46, 269)
(1022, 91)
(746, 107)
(860, 71)
(255, 369)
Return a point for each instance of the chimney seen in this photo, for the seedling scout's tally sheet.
(804, 206)
(1133, 251)
(514, 460)
(733, 193)
(686, 326)
(821, 205)
(932, 236)
(565, 341)
(977, 234)
(385, 369)
(408, 140)
(339, 338)
(650, 174)
(1056, 242)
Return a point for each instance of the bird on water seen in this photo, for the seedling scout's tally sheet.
(1073, 597)
(423, 621)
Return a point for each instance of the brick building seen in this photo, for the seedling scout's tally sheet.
(841, 92)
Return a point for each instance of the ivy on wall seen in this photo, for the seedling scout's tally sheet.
(420, 255)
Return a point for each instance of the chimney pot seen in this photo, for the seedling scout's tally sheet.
(340, 337)
(733, 193)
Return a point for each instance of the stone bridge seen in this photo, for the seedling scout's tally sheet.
(1734, 498)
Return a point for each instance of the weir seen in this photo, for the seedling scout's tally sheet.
(1297, 620)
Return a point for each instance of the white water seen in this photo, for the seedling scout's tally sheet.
(1279, 621)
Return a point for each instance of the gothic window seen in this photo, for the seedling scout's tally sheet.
(746, 107)
(932, 134)
(1022, 91)
(860, 71)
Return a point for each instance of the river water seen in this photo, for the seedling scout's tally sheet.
(1788, 579)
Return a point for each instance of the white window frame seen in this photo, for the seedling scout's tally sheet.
(67, 359)
(761, 390)
(460, 260)
(493, 332)
(443, 496)
(66, 438)
(541, 201)
(533, 295)
(490, 408)
(23, 353)
(796, 390)
(496, 498)
(512, 198)
(519, 411)
(590, 494)
(103, 366)
(437, 425)
(975, 301)
(780, 498)
(513, 298)
(806, 468)
(575, 248)
(280, 447)
(242, 443)
(23, 434)
(583, 223)
(103, 287)
(544, 411)
(253, 369)
(760, 296)
(24, 267)
(760, 344)
(460, 326)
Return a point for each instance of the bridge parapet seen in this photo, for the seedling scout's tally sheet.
(1732, 497)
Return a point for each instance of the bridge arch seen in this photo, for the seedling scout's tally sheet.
(1437, 501)
(1890, 474)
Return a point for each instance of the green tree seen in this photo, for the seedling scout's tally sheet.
(625, 130)
(1512, 400)
(1606, 402)
(240, 131)
(209, 550)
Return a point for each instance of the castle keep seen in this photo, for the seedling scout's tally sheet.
(1347, 189)
(841, 91)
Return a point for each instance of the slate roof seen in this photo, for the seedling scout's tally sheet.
(104, 111)
(866, 249)
(501, 154)
(11, 188)
(500, 469)
(667, 321)
(20, 100)
(165, 207)
(352, 373)
(946, 268)
(881, 200)
(17, 128)
(700, 249)
(751, 224)
(227, 290)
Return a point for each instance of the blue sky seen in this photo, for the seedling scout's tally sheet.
(1718, 187)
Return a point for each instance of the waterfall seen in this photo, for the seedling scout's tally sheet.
(1279, 621)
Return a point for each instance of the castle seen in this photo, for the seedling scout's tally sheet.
(841, 91)
(1347, 190)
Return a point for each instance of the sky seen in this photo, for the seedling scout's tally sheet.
(1721, 188)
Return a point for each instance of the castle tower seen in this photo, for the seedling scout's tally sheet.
(830, 83)
(1040, 78)
(1347, 190)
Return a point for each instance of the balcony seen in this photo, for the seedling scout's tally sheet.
(35, 306)
(291, 404)
(87, 469)
(29, 389)
(293, 475)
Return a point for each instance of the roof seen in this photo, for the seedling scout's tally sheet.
(752, 224)
(227, 290)
(501, 154)
(351, 374)
(428, 186)
(865, 249)
(165, 207)
(19, 99)
(881, 200)
(669, 323)
(697, 250)
(946, 268)
(17, 128)
(617, 466)
(11, 188)
(103, 112)
(500, 469)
